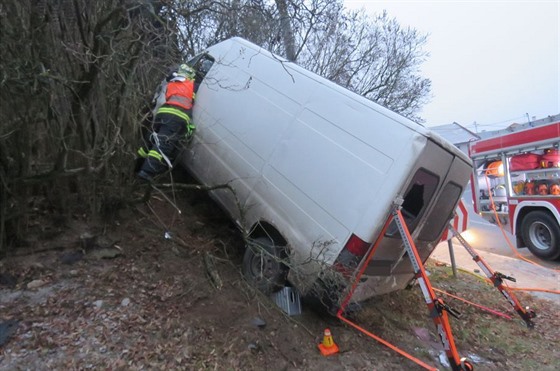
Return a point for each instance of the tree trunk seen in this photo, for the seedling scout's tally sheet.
(287, 32)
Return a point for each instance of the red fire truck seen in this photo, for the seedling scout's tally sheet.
(516, 182)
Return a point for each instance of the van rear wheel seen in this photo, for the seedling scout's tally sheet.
(541, 234)
(263, 265)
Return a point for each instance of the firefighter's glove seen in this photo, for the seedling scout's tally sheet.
(190, 130)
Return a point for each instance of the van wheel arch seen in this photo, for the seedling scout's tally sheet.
(264, 265)
(265, 229)
(265, 261)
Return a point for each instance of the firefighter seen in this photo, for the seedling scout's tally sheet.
(173, 119)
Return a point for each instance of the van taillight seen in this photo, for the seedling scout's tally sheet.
(349, 258)
(357, 246)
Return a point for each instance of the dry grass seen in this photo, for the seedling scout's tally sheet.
(155, 308)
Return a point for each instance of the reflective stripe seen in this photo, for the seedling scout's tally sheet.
(176, 112)
(155, 154)
(142, 152)
(180, 101)
(155, 139)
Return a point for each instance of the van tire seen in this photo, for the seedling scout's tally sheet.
(541, 234)
(263, 265)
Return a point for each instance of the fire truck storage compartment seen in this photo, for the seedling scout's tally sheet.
(491, 185)
(525, 161)
(528, 180)
(550, 158)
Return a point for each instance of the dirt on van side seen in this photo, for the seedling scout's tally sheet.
(154, 289)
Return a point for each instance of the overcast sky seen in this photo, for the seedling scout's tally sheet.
(491, 62)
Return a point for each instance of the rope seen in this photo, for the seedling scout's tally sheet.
(155, 140)
(488, 281)
(493, 311)
(425, 287)
(510, 245)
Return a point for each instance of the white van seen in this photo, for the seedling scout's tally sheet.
(315, 170)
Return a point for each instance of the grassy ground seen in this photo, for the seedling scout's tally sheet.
(153, 306)
(493, 340)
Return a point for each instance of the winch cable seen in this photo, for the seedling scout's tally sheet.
(161, 223)
(486, 280)
(510, 245)
(156, 141)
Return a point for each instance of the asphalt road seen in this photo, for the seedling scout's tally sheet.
(488, 237)
(491, 243)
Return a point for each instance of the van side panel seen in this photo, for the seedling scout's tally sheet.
(312, 140)
(243, 146)
(232, 144)
(308, 168)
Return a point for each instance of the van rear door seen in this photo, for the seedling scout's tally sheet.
(430, 198)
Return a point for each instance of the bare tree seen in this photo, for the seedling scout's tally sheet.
(76, 78)
(372, 56)
(204, 22)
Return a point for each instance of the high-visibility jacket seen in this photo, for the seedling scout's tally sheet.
(180, 93)
(176, 97)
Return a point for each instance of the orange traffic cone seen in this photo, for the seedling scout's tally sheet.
(328, 346)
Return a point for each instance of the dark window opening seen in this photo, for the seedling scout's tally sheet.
(201, 64)
(416, 199)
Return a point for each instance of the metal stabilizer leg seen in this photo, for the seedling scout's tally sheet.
(438, 309)
(497, 279)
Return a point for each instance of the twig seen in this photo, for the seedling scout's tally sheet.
(210, 265)
(197, 187)
(168, 199)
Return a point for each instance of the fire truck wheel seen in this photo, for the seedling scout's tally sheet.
(541, 234)
(263, 267)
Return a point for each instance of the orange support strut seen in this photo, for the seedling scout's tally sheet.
(497, 280)
(437, 308)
